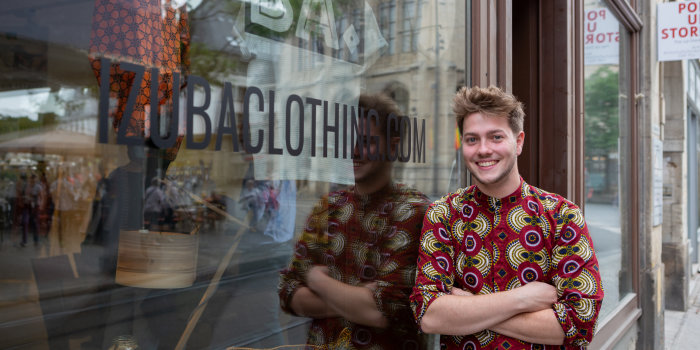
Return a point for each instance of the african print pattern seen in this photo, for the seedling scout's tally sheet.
(363, 239)
(487, 245)
(150, 33)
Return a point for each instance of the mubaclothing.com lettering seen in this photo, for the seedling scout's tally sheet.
(341, 127)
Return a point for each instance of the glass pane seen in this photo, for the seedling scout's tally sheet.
(606, 148)
(160, 159)
(697, 87)
(691, 81)
(695, 231)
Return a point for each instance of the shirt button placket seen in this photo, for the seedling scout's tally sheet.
(501, 265)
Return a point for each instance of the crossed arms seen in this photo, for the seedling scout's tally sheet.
(325, 297)
(563, 310)
(314, 287)
(523, 313)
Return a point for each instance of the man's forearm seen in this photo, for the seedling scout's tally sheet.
(354, 303)
(306, 303)
(460, 315)
(539, 327)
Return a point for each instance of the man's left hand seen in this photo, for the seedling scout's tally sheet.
(461, 292)
(316, 276)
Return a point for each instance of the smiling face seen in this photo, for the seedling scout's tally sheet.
(490, 149)
(365, 170)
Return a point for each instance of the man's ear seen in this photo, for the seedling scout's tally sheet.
(519, 142)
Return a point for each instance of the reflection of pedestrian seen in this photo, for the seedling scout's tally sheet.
(28, 200)
(46, 205)
(352, 269)
(67, 213)
(8, 203)
(251, 199)
(281, 224)
(154, 204)
(170, 203)
(99, 212)
(122, 210)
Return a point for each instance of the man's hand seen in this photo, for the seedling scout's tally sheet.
(316, 276)
(461, 292)
(461, 312)
(370, 285)
(539, 324)
(307, 302)
(536, 296)
(354, 303)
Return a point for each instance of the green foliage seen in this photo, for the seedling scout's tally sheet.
(602, 112)
(212, 65)
(13, 124)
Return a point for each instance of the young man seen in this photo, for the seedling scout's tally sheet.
(354, 266)
(502, 264)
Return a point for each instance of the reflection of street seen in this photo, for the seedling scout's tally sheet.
(604, 225)
(603, 222)
(243, 312)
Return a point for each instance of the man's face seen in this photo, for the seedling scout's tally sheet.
(490, 150)
(370, 170)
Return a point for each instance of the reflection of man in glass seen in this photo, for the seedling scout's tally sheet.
(354, 264)
(502, 264)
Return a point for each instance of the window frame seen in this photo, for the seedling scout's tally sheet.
(537, 80)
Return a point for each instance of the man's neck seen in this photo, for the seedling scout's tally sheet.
(369, 187)
(500, 189)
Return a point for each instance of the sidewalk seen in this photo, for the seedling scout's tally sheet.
(681, 328)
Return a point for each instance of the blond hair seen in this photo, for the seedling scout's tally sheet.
(490, 101)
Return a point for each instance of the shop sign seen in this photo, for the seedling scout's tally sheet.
(341, 128)
(281, 21)
(678, 32)
(601, 37)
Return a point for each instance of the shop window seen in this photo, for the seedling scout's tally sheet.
(161, 212)
(607, 148)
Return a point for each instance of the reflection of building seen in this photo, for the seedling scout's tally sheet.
(421, 69)
(401, 69)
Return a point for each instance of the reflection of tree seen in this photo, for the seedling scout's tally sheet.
(211, 64)
(12, 124)
(602, 127)
(601, 121)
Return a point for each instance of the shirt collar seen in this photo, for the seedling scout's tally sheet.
(376, 196)
(516, 196)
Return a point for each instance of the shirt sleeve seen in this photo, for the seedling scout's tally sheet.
(306, 254)
(399, 250)
(435, 268)
(577, 277)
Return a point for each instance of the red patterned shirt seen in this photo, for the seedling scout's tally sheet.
(363, 239)
(487, 245)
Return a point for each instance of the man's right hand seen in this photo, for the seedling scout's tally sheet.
(536, 296)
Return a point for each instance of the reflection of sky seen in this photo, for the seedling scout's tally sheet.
(30, 102)
(23, 103)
